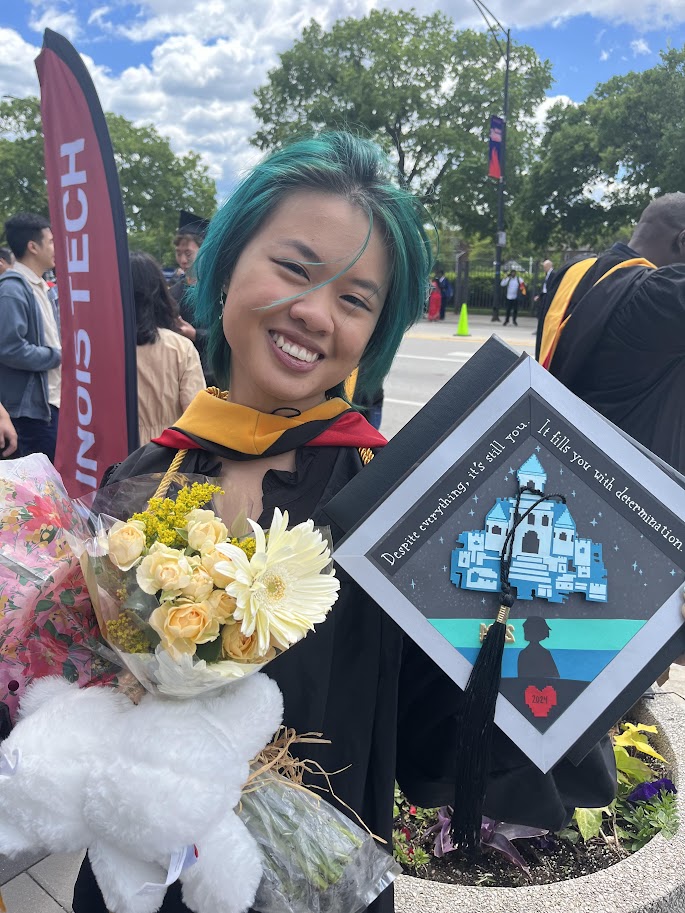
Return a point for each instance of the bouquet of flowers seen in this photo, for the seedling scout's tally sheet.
(189, 608)
(47, 624)
(157, 790)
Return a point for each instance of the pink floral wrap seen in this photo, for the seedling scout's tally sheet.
(46, 617)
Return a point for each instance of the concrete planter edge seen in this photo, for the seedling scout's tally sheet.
(650, 881)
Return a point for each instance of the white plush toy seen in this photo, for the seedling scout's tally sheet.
(135, 783)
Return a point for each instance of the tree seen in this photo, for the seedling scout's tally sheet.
(420, 88)
(155, 182)
(599, 163)
(22, 176)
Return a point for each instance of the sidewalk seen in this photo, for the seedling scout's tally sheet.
(35, 883)
(481, 327)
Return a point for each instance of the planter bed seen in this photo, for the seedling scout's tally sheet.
(651, 880)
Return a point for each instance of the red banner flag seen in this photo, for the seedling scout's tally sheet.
(98, 420)
(495, 147)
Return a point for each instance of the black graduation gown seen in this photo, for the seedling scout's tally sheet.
(386, 707)
(623, 350)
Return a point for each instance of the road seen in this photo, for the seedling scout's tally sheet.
(430, 354)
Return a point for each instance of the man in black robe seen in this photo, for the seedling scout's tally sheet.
(622, 347)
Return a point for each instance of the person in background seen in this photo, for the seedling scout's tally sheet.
(512, 285)
(446, 291)
(434, 301)
(613, 330)
(187, 243)
(6, 259)
(540, 301)
(169, 369)
(8, 434)
(30, 346)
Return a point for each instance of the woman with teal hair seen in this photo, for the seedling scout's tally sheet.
(313, 270)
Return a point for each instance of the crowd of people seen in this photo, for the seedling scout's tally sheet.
(312, 271)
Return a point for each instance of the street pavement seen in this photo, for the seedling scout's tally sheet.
(431, 353)
(429, 356)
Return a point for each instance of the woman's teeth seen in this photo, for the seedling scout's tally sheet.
(298, 352)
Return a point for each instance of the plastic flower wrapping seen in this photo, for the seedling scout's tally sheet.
(47, 623)
(163, 787)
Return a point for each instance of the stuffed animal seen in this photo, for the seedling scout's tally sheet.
(134, 784)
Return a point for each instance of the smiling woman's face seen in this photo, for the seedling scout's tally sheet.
(289, 354)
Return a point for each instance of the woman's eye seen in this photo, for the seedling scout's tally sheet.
(357, 302)
(294, 267)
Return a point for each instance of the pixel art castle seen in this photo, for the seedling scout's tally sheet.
(549, 560)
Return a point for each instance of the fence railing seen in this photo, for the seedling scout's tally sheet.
(475, 285)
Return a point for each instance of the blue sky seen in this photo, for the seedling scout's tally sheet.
(190, 66)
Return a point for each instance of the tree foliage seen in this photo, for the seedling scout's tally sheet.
(155, 182)
(418, 86)
(600, 162)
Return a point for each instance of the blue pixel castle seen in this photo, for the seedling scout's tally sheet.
(549, 560)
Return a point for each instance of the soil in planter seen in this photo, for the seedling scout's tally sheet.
(560, 862)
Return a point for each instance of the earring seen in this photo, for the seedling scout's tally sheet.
(222, 302)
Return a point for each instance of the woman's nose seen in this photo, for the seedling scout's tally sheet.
(316, 309)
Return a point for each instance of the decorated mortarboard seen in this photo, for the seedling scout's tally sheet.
(190, 224)
(537, 554)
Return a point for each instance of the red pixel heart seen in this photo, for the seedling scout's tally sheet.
(540, 702)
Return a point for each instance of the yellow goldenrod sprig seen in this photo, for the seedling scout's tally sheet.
(126, 634)
(164, 516)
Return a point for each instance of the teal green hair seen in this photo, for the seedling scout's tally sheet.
(335, 163)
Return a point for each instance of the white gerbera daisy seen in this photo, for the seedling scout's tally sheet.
(281, 592)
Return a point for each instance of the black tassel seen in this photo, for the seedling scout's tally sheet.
(477, 727)
(480, 697)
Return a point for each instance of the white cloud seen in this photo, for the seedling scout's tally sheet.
(640, 46)
(17, 69)
(543, 109)
(604, 55)
(54, 15)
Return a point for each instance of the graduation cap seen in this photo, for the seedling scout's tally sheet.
(190, 224)
(531, 519)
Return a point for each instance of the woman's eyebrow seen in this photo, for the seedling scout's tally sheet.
(311, 257)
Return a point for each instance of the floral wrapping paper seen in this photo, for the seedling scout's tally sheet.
(47, 623)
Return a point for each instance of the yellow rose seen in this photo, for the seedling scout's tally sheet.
(241, 648)
(205, 529)
(201, 584)
(183, 625)
(222, 605)
(210, 559)
(163, 568)
(126, 543)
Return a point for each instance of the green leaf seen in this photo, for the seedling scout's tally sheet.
(67, 597)
(634, 737)
(69, 671)
(570, 834)
(44, 605)
(635, 770)
(211, 651)
(589, 821)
